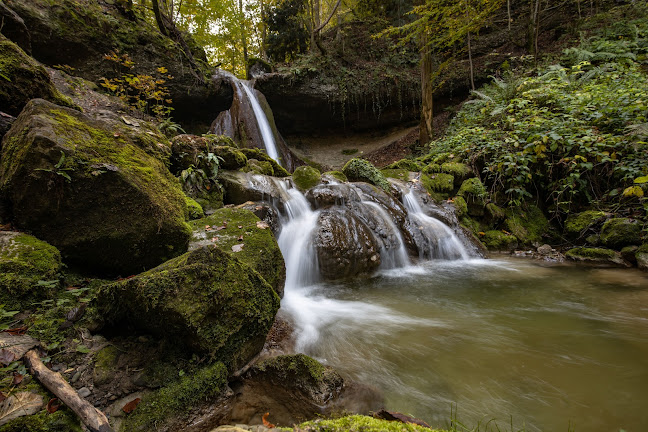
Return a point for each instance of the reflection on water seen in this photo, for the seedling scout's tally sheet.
(550, 346)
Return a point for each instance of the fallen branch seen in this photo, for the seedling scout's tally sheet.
(94, 419)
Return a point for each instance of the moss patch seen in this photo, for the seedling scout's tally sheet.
(527, 224)
(438, 182)
(194, 210)
(60, 421)
(405, 164)
(498, 240)
(596, 256)
(177, 399)
(577, 224)
(228, 227)
(260, 155)
(619, 232)
(306, 177)
(359, 423)
(339, 175)
(29, 270)
(461, 208)
(399, 174)
(362, 170)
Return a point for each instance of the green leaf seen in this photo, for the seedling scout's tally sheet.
(641, 180)
(83, 349)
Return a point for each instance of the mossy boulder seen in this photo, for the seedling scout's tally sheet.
(91, 191)
(363, 171)
(641, 256)
(399, 174)
(597, 256)
(619, 232)
(206, 300)
(29, 270)
(176, 400)
(337, 175)
(499, 241)
(194, 210)
(306, 177)
(405, 164)
(461, 208)
(229, 227)
(186, 150)
(458, 170)
(22, 78)
(528, 224)
(494, 214)
(438, 183)
(474, 192)
(105, 364)
(260, 155)
(579, 224)
(258, 167)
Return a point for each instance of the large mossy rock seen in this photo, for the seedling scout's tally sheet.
(580, 224)
(29, 270)
(243, 235)
(597, 256)
(499, 241)
(206, 299)
(22, 78)
(261, 156)
(361, 170)
(528, 224)
(619, 232)
(89, 190)
(474, 192)
(306, 177)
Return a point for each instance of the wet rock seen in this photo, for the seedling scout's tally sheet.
(186, 148)
(92, 190)
(585, 223)
(84, 392)
(264, 211)
(619, 232)
(527, 223)
(241, 187)
(345, 245)
(306, 177)
(260, 155)
(206, 300)
(24, 262)
(228, 227)
(597, 256)
(325, 195)
(642, 257)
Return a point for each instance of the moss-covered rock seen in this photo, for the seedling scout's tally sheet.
(579, 224)
(405, 164)
(399, 174)
(438, 183)
(499, 241)
(301, 373)
(494, 214)
(458, 170)
(232, 158)
(260, 155)
(528, 224)
(362, 170)
(206, 299)
(91, 191)
(461, 208)
(619, 232)
(22, 79)
(258, 167)
(338, 175)
(62, 420)
(188, 150)
(194, 210)
(105, 364)
(360, 423)
(229, 227)
(474, 192)
(177, 399)
(598, 256)
(306, 177)
(29, 270)
(641, 256)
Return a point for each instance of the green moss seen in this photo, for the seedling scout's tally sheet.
(591, 253)
(349, 151)
(295, 364)
(457, 169)
(260, 155)
(527, 224)
(494, 214)
(405, 164)
(399, 174)
(439, 182)
(194, 210)
(619, 232)
(258, 167)
(29, 270)
(339, 175)
(498, 240)
(472, 188)
(261, 251)
(62, 420)
(362, 170)
(305, 177)
(360, 423)
(232, 159)
(643, 248)
(105, 364)
(461, 208)
(579, 223)
(431, 169)
(177, 399)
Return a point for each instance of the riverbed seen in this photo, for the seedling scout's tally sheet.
(548, 347)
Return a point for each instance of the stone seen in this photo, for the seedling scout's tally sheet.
(581, 224)
(306, 177)
(84, 392)
(619, 232)
(597, 256)
(362, 170)
(241, 187)
(92, 190)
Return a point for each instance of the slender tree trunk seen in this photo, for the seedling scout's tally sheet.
(427, 102)
(159, 18)
(470, 62)
(508, 12)
(244, 39)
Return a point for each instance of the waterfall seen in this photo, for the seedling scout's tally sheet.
(262, 122)
(390, 257)
(436, 239)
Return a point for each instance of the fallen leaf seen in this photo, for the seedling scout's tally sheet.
(53, 405)
(262, 225)
(130, 406)
(17, 331)
(6, 356)
(240, 238)
(2, 397)
(18, 405)
(237, 248)
(206, 226)
(17, 378)
(482, 233)
(221, 227)
(266, 423)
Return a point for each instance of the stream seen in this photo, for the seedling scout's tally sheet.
(553, 346)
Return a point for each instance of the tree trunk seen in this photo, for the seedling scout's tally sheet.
(244, 39)
(427, 114)
(159, 18)
(508, 12)
(470, 62)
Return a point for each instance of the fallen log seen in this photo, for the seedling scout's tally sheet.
(94, 419)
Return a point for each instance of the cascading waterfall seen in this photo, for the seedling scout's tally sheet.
(437, 240)
(391, 257)
(262, 122)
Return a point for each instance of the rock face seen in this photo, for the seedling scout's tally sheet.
(91, 191)
(22, 78)
(243, 235)
(24, 261)
(241, 187)
(597, 256)
(80, 34)
(206, 299)
(345, 245)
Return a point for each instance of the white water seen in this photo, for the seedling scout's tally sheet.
(441, 241)
(262, 122)
(391, 258)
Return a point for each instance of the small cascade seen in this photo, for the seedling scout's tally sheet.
(436, 239)
(390, 257)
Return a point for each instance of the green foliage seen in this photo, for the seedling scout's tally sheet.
(58, 169)
(202, 175)
(144, 93)
(287, 33)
